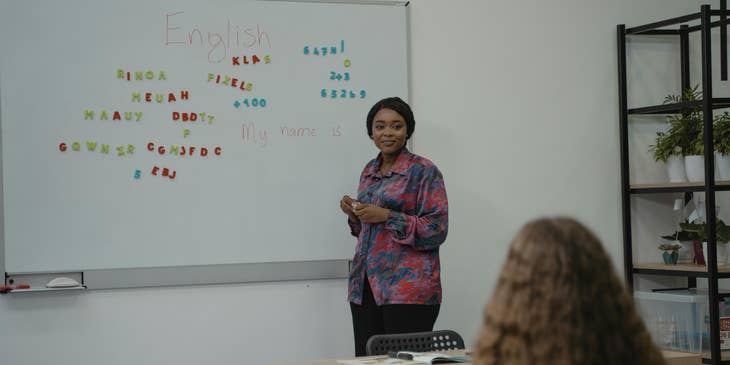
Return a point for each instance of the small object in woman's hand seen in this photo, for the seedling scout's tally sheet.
(354, 205)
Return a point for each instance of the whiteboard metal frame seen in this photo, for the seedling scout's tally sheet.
(358, 2)
(2, 192)
(189, 275)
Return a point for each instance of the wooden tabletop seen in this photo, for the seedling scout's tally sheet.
(672, 357)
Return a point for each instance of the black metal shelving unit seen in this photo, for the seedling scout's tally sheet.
(680, 27)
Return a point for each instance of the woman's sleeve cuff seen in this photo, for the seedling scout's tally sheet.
(397, 224)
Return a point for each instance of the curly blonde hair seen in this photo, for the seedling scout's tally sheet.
(559, 301)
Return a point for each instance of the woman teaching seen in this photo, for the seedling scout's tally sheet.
(400, 219)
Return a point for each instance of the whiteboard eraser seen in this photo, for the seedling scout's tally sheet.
(62, 282)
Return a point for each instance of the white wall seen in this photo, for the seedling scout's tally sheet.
(221, 324)
(516, 102)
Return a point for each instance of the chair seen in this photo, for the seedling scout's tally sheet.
(415, 341)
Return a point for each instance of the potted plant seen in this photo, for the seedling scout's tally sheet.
(721, 141)
(685, 240)
(677, 142)
(722, 235)
(667, 150)
(694, 159)
(671, 253)
(689, 125)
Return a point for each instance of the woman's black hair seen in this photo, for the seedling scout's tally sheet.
(397, 105)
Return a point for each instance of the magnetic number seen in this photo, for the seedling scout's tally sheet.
(342, 93)
(250, 103)
(345, 76)
(324, 50)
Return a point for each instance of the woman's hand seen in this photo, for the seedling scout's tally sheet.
(348, 205)
(369, 213)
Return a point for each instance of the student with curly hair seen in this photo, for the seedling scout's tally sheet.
(559, 301)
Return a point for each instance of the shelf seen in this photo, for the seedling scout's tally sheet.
(674, 357)
(679, 28)
(684, 187)
(38, 290)
(668, 22)
(679, 270)
(654, 28)
(724, 357)
(678, 108)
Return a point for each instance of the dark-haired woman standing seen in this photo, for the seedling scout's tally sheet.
(400, 218)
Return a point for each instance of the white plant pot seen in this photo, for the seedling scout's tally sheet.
(676, 170)
(695, 167)
(722, 253)
(722, 162)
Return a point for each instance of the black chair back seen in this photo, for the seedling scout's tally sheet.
(432, 341)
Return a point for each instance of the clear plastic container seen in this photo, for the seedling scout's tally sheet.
(677, 319)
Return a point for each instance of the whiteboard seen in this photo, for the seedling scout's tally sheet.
(142, 134)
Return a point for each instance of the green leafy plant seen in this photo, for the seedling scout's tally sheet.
(688, 94)
(720, 136)
(721, 133)
(680, 138)
(682, 235)
(666, 145)
(721, 229)
(697, 146)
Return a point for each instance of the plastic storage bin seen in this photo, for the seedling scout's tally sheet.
(677, 319)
